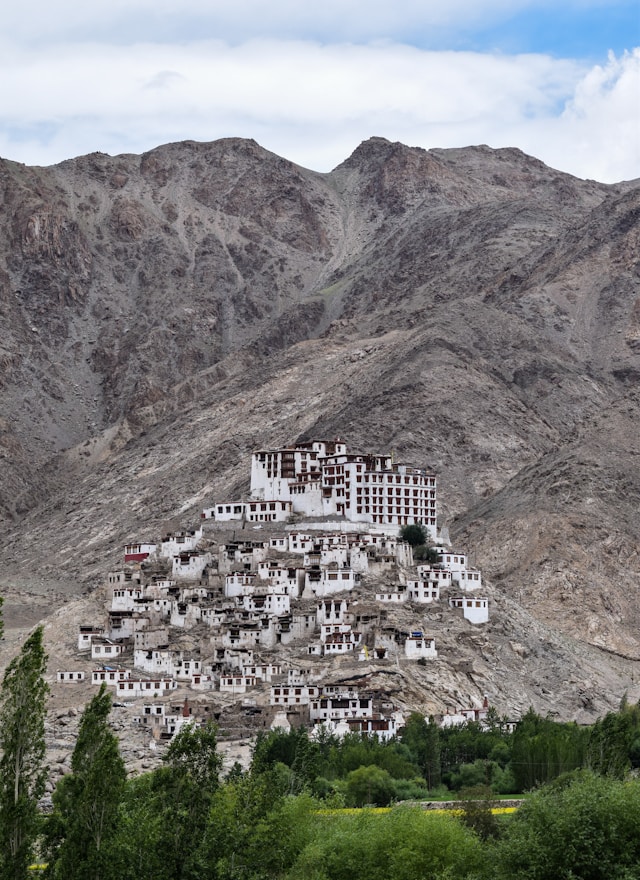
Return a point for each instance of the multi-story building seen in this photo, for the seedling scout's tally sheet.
(321, 478)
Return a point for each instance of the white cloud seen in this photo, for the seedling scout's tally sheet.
(361, 20)
(314, 103)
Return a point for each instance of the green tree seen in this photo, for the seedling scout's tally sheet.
(543, 749)
(23, 775)
(83, 826)
(580, 826)
(414, 534)
(614, 742)
(185, 788)
(422, 738)
(369, 785)
(477, 804)
(403, 844)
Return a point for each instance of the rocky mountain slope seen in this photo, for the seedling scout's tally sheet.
(472, 310)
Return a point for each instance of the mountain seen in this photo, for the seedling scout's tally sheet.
(471, 310)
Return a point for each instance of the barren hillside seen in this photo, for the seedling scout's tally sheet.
(472, 310)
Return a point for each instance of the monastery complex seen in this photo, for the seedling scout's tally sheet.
(278, 591)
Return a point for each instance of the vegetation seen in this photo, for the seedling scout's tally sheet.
(87, 801)
(297, 811)
(22, 771)
(414, 534)
(417, 536)
(582, 826)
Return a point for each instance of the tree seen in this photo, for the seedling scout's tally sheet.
(369, 785)
(580, 825)
(414, 534)
(22, 771)
(423, 741)
(86, 802)
(477, 804)
(185, 789)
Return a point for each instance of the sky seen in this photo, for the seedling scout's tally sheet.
(560, 79)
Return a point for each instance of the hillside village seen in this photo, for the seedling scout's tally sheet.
(255, 617)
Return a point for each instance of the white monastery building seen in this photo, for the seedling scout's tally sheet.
(321, 478)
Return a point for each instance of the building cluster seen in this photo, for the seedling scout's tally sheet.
(312, 581)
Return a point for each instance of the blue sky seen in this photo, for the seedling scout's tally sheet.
(560, 80)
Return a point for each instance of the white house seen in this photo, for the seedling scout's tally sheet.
(267, 603)
(467, 580)
(86, 634)
(341, 643)
(109, 676)
(138, 552)
(423, 591)
(332, 611)
(239, 583)
(263, 671)
(418, 646)
(180, 542)
(330, 629)
(325, 708)
(190, 564)
(474, 608)
(393, 597)
(292, 695)
(70, 676)
(106, 650)
(132, 688)
(439, 576)
(323, 582)
(126, 598)
(236, 684)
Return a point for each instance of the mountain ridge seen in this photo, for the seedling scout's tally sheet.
(471, 309)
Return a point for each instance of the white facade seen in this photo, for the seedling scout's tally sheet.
(394, 598)
(332, 611)
(86, 634)
(190, 564)
(418, 646)
(239, 583)
(292, 695)
(70, 676)
(126, 598)
(324, 582)
(341, 643)
(326, 708)
(109, 676)
(105, 650)
(451, 560)
(291, 580)
(321, 479)
(423, 591)
(474, 609)
(467, 580)
(331, 629)
(236, 684)
(172, 545)
(440, 576)
(263, 672)
(132, 688)
(252, 511)
(269, 603)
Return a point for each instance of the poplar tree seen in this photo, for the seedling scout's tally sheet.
(23, 774)
(84, 822)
